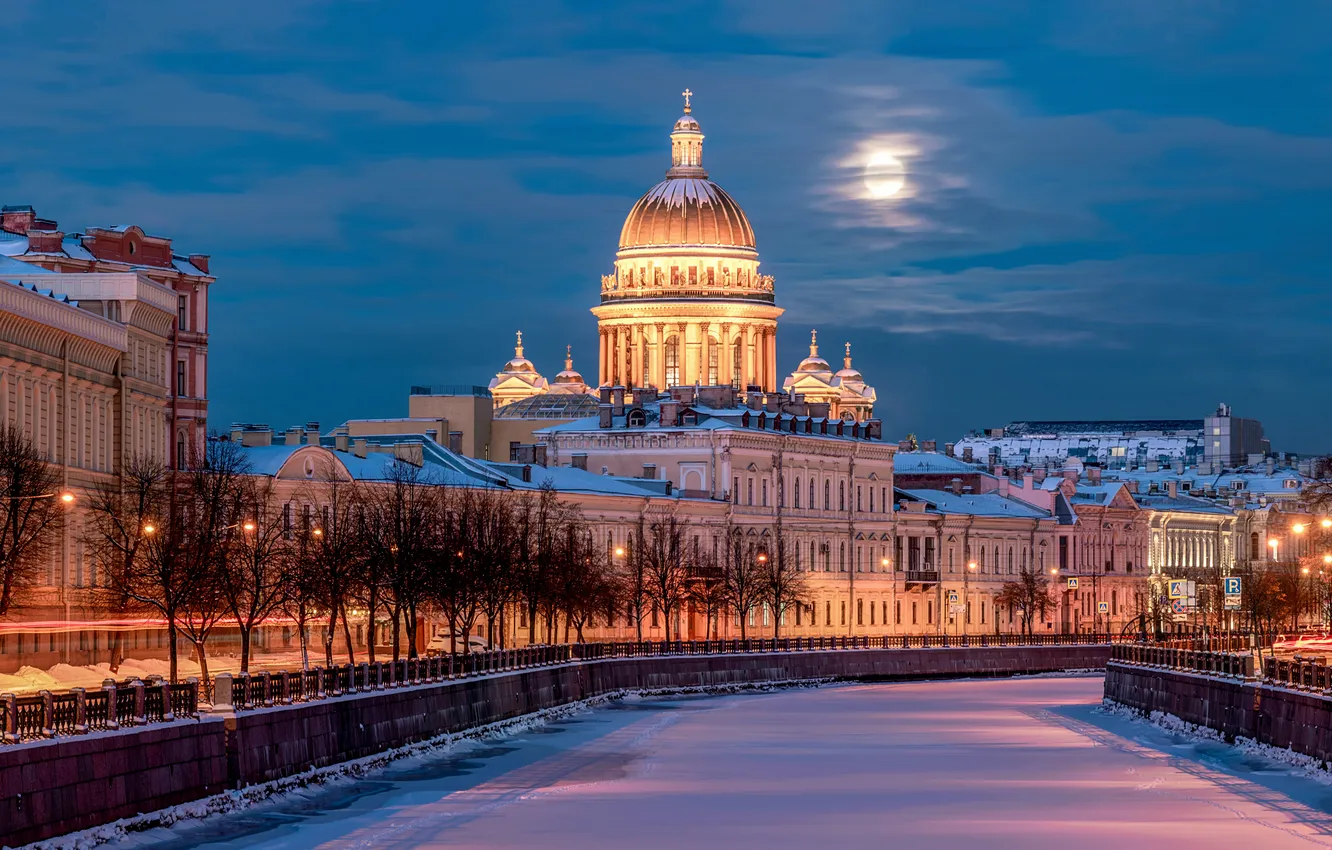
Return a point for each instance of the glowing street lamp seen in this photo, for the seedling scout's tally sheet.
(762, 558)
(248, 526)
(149, 528)
(619, 551)
(1325, 522)
(1298, 528)
(67, 498)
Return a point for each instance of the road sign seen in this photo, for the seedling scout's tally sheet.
(1178, 606)
(1103, 607)
(957, 609)
(952, 597)
(1179, 588)
(1233, 601)
(1233, 586)
(1072, 583)
(1179, 618)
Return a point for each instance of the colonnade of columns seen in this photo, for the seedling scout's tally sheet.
(681, 353)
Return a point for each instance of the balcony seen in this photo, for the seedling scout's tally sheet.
(922, 578)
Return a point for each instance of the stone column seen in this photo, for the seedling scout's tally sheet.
(724, 355)
(693, 367)
(770, 359)
(704, 354)
(601, 358)
(621, 349)
(747, 358)
(659, 357)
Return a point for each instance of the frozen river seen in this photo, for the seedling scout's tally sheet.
(1026, 763)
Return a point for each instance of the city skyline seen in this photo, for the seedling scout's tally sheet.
(1106, 212)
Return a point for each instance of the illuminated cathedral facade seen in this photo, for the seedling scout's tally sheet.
(687, 305)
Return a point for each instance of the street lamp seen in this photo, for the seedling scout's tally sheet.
(619, 551)
(318, 532)
(1275, 545)
(966, 595)
(1325, 522)
(149, 528)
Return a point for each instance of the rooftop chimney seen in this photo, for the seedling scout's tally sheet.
(1271, 465)
(340, 440)
(670, 413)
(754, 400)
(359, 447)
(617, 401)
(928, 445)
(199, 261)
(956, 486)
(293, 436)
(967, 455)
(604, 411)
(411, 452)
(1153, 465)
(579, 461)
(1094, 474)
(1178, 466)
(312, 433)
(948, 449)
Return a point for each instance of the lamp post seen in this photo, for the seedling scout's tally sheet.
(966, 595)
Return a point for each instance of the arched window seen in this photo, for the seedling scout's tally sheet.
(672, 361)
(712, 357)
(841, 495)
(182, 459)
(797, 492)
(1255, 548)
(827, 495)
(737, 359)
(841, 557)
(647, 366)
(812, 503)
(1010, 560)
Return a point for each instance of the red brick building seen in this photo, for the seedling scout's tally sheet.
(124, 248)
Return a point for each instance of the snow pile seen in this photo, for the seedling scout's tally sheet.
(1301, 765)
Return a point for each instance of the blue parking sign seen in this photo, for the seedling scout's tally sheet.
(1232, 585)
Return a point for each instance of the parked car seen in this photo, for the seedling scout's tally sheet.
(441, 645)
(1306, 642)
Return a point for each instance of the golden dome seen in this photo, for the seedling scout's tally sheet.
(569, 375)
(687, 208)
(814, 363)
(686, 211)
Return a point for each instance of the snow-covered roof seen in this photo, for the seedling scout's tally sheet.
(713, 419)
(906, 463)
(976, 504)
(9, 267)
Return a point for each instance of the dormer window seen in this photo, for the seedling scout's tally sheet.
(637, 419)
(1291, 484)
(1237, 485)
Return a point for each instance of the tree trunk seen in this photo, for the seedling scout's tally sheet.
(346, 635)
(245, 647)
(171, 649)
(370, 626)
(117, 651)
(303, 636)
(329, 634)
(409, 616)
(531, 623)
(201, 653)
(397, 630)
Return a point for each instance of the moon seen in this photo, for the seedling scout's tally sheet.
(884, 175)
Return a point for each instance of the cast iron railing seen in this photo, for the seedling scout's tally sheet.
(134, 703)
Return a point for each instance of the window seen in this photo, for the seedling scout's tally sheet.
(841, 495)
(841, 557)
(811, 494)
(1237, 485)
(182, 460)
(182, 312)
(827, 613)
(858, 503)
(796, 492)
(286, 520)
(180, 377)
(712, 359)
(860, 612)
(736, 362)
(827, 495)
(929, 553)
(765, 492)
(844, 612)
(735, 490)
(673, 361)
(871, 505)
(749, 486)
(1290, 484)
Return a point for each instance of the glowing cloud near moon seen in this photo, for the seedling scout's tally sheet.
(884, 175)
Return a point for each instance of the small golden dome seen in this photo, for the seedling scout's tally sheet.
(814, 363)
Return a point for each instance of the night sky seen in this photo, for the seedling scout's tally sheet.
(1111, 209)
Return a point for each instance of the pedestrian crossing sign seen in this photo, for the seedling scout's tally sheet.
(1103, 607)
(1179, 588)
(1072, 583)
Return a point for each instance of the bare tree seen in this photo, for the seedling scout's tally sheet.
(784, 586)
(744, 575)
(138, 546)
(400, 535)
(707, 588)
(332, 520)
(31, 513)
(257, 579)
(667, 563)
(634, 575)
(1029, 595)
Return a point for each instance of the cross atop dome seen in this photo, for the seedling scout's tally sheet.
(518, 348)
(814, 342)
(687, 94)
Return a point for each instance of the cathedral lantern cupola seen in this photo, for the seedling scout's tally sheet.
(518, 379)
(686, 304)
(845, 393)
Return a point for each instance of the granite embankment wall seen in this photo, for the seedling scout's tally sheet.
(1269, 714)
(66, 784)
